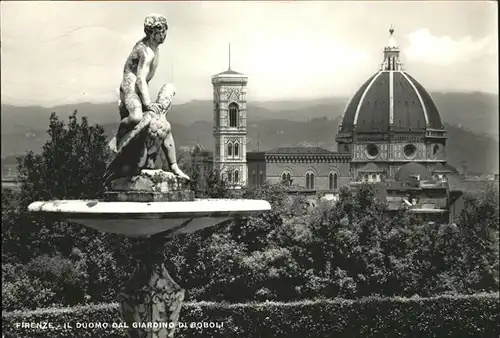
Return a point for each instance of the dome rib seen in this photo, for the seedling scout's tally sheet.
(391, 98)
(362, 99)
(422, 103)
(346, 122)
(408, 111)
(390, 101)
(435, 121)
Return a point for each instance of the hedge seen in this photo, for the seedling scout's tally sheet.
(441, 316)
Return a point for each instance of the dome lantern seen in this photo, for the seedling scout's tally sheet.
(391, 54)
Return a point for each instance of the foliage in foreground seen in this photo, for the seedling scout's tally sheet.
(350, 249)
(46, 260)
(445, 316)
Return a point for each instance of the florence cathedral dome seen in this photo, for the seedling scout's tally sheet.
(391, 120)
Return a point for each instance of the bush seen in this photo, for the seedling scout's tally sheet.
(44, 280)
(442, 316)
(20, 291)
(350, 249)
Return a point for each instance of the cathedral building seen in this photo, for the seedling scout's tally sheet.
(391, 135)
(391, 121)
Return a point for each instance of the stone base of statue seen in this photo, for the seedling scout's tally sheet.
(150, 301)
(149, 186)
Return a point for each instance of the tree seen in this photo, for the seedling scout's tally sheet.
(71, 166)
(216, 185)
(479, 228)
(209, 184)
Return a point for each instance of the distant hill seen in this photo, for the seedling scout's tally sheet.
(16, 119)
(471, 120)
(477, 112)
(480, 153)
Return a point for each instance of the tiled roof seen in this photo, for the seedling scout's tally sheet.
(406, 172)
(229, 72)
(299, 150)
(444, 168)
(401, 185)
(457, 183)
(370, 167)
(373, 106)
(298, 188)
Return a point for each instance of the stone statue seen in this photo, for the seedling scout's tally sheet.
(150, 295)
(150, 300)
(144, 129)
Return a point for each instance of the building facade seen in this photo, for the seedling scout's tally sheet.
(391, 135)
(312, 168)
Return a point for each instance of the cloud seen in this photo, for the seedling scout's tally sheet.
(444, 50)
(298, 64)
(75, 51)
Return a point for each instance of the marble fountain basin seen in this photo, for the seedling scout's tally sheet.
(139, 219)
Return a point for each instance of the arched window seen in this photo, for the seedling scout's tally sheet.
(254, 181)
(236, 149)
(366, 177)
(217, 115)
(229, 176)
(233, 115)
(374, 177)
(230, 149)
(309, 181)
(285, 178)
(435, 149)
(332, 181)
(236, 176)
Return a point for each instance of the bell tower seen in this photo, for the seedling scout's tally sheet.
(230, 125)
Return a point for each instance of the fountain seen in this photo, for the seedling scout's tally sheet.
(144, 202)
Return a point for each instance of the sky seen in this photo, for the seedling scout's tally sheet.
(66, 52)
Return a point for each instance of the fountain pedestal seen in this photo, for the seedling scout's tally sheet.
(150, 301)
